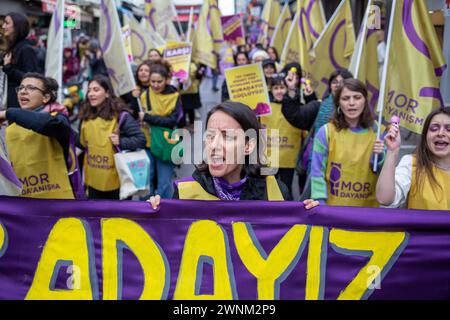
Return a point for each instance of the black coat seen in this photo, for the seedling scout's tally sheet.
(299, 115)
(254, 189)
(24, 60)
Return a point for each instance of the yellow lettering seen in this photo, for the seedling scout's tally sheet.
(383, 248)
(205, 240)
(270, 270)
(317, 259)
(3, 240)
(118, 234)
(69, 244)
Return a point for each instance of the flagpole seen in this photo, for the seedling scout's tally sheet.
(384, 79)
(363, 37)
(191, 19)
(328, 24)
(279, 22)
(322, 12)
(286, 44)
(61, 54)
(178, 18)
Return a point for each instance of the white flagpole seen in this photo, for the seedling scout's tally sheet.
(380, 105)
(191, 19)
(363, 39)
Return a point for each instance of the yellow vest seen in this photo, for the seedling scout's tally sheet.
(425, 198)
(161, 105)
(289, 137)
(350, 179)
(192, 190)
(99, 167)
(39, 163)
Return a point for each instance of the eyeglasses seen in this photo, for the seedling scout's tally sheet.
(28, 88)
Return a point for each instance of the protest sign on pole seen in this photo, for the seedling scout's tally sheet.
(179, 56)
(233, 29)
(247, 84)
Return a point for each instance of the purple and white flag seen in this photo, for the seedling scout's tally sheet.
(10, 185)
(113, 48)
(55, 41)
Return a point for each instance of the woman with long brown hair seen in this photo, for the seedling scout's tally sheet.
(100, 137)
(20, 58)
(422, 179)
(341, 171)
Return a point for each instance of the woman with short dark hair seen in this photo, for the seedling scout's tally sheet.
(232, 166)
(38, 139)
(20, 56)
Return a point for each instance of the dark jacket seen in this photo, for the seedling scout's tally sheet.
(98, 66)
(254, 189)
(299, 115)
(131, 136)
(54, 126)
(225, 93)
(24, 60)
(171, 120)
(132, 104)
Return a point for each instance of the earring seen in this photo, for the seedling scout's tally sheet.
(338, 110)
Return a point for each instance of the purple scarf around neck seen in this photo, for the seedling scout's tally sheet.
(227, 191)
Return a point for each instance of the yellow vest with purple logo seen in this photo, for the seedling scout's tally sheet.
(99, 166)
(288, 138)
(349, 176)
(424, 197)
(39, 163)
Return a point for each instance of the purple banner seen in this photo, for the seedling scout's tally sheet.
(56, 249)
(233, 29)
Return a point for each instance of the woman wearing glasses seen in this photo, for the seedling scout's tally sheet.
(38, 139)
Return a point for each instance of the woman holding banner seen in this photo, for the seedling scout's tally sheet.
(101, 138)
(341, 171)
(232, 169)
(421, 180)
(163, 111)
(38, 139)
